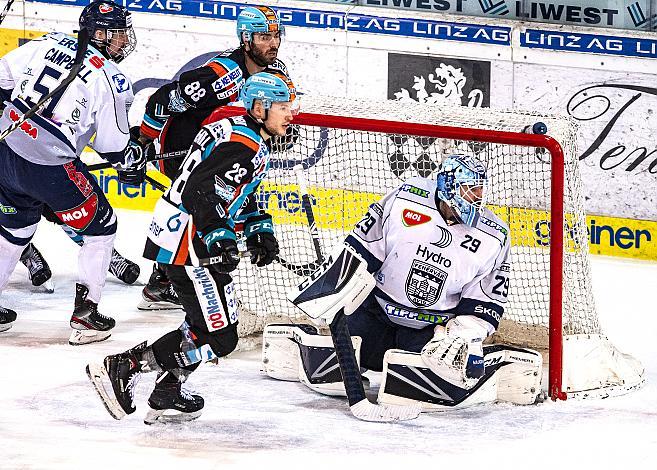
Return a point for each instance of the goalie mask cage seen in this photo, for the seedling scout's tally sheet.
(353, 151)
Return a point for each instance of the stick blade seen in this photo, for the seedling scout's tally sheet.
(367, 411)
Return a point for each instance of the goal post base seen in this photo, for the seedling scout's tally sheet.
(595, 368)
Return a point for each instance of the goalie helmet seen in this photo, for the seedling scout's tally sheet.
(458, 176)
(268, 88)
(116, 22)
(257, 20)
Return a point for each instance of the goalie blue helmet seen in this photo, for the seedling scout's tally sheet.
(257, 20)
(268, 88)
(459, 179)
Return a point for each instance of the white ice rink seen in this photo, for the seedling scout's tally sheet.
(50, 416)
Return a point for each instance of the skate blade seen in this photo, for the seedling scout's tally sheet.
(5, 327)
(169, 416)
(150, 305)
(99, 378)
(48, 286)
(79, 337)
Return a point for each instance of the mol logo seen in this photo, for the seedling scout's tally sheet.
(79, 218)
(410, 218)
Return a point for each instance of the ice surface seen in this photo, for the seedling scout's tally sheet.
(50, 416)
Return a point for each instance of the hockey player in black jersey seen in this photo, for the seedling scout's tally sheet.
(177, 110)
(192, 235)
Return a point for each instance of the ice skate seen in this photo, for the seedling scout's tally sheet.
(158, 294)
(116, 378)
(38, 269)
(123, 269)
(171, 403)
(89, 325)
(7, 317)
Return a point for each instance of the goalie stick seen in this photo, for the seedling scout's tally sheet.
(305, 269)
(360, 406)
(5, 11)
(83, 42)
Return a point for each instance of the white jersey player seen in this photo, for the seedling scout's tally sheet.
(39, 164)
(440, 266)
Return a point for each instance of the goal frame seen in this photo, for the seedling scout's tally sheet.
(555, 325)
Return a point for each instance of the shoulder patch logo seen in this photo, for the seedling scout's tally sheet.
(410, 218)
(121, 83)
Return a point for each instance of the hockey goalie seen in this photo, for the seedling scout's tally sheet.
(423, 280)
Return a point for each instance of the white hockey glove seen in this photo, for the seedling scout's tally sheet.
(455, 353)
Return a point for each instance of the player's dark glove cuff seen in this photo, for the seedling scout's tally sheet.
(221, 244)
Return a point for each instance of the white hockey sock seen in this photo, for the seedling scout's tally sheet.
(93, 263)
(9, 256)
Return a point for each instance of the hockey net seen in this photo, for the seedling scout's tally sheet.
(354, 151)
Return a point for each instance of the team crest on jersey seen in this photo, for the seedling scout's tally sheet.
(223, 190)
(424, 284)
(121, 83)
(410, 218)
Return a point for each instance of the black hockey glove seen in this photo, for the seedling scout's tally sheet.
(227, 250)
(137, 154)
(260, 239)
(263, 248)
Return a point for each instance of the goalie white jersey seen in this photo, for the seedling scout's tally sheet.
(426, 270)
(95, 102)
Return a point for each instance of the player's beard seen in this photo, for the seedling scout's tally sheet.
(261, 57)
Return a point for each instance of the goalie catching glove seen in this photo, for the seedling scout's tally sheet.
(455, 353)
(342, 282)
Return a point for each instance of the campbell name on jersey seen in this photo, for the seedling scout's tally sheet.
(426, 270)
(213, 190)
(96, 102)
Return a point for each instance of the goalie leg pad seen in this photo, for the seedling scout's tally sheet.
(280, 353)
(511, 375)
(519, 379)
(300, 353)
(319, 369)
(341, 282)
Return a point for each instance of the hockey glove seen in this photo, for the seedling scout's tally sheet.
(221, 244)
(260, 240)
(133, 171)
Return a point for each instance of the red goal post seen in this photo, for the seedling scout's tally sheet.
(355, 136)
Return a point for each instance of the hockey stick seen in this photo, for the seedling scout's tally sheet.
(360, 406)
(83, 42)
(5, 11)
(305, 269)
(158, 157)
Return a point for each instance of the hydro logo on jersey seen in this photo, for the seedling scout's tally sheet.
(410, 218)
(424, 284)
